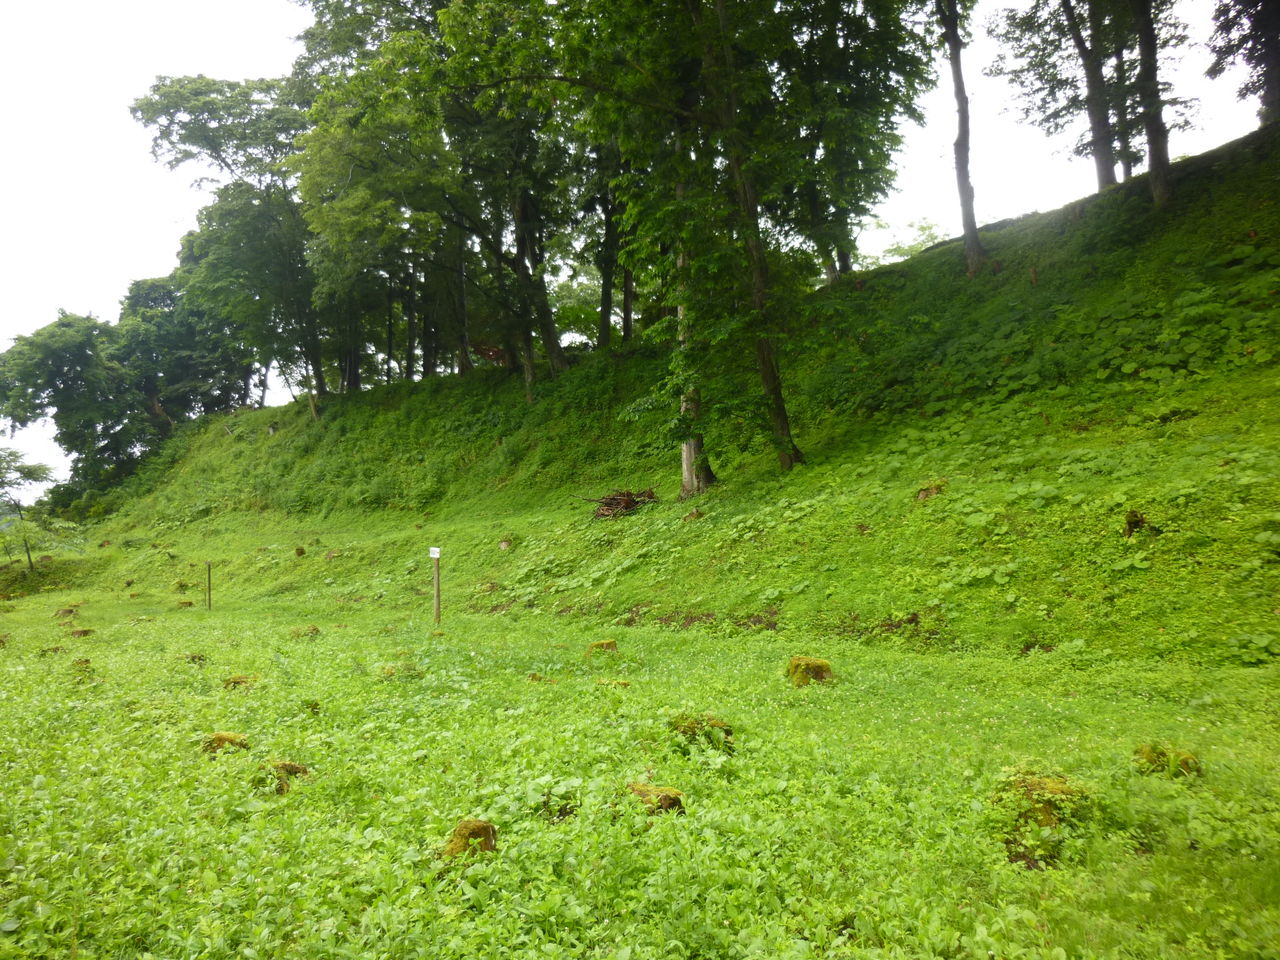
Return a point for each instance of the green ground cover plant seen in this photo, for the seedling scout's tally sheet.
(1036, 539)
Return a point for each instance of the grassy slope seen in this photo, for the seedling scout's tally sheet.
(1135, 374)
(1003, 622)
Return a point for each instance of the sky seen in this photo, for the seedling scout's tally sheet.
(87, 210)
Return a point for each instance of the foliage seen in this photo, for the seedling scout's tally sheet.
(1249, 30)
(115, 391)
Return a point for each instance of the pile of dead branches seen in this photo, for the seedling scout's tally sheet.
(620, 502)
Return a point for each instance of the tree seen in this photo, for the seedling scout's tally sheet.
(1148, 94)
(250, 256)
(951, 15)
(115, 391)
(1249, 30)
(67, 371)
(15, 474)
(1075, 58)
(747, 129)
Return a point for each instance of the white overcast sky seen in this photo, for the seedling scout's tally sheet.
(86, 210)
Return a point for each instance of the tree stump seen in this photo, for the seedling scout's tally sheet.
(217, 741)
(1153, 758)
(802, 671)
(658, 799)
(470, 836)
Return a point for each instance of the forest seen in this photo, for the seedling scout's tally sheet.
(639, 569)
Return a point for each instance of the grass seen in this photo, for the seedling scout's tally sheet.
(852, 819)
(961, 546)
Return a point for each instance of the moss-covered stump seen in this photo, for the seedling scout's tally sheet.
(802, 671)
(283, 771)
(658, 799)
(707, 729)
(602, 646)
(470, 836)
(221, 740)
(1040, 807)
(1152, 758)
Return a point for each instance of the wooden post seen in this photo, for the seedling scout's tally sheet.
(208, 584)
(435, 574)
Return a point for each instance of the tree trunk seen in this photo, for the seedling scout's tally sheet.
(628, 302)
(608, 264)
(390, 340)
(528, 266)
(312, 357)
(695, 469)
(526, 363)
(410, 308)
(949, 18)
(749, 211)
(25, 545)
(1266, 26)
(1101, 136)
(696, 474)
(1153, 124)
(351, 354)
(465, 364)
(1123, 126)
(547, 331)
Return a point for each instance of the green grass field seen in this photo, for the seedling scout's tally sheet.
(857, 818)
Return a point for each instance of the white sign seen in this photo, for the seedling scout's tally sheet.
(435, 553)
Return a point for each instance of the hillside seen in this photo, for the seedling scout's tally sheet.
(1036, 539)
(1112, 360)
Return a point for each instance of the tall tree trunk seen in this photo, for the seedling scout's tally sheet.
(1101, 136)
(465, 364)
(547, 332)
(1266, 26)
(526, 363)
(1153, 124)
(528, 265)
(1121, 123)
(949, 18)
(749, 211)
(312, 357)
(430, 335)
(351, 354)
(25, 544)
(696, 474)
(391, 334)
(628, 302)
(410, 307)
(607, 263)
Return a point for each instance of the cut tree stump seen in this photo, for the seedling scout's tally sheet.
(658, 799)
(470, 836)
(218, 741)
(802, 671)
